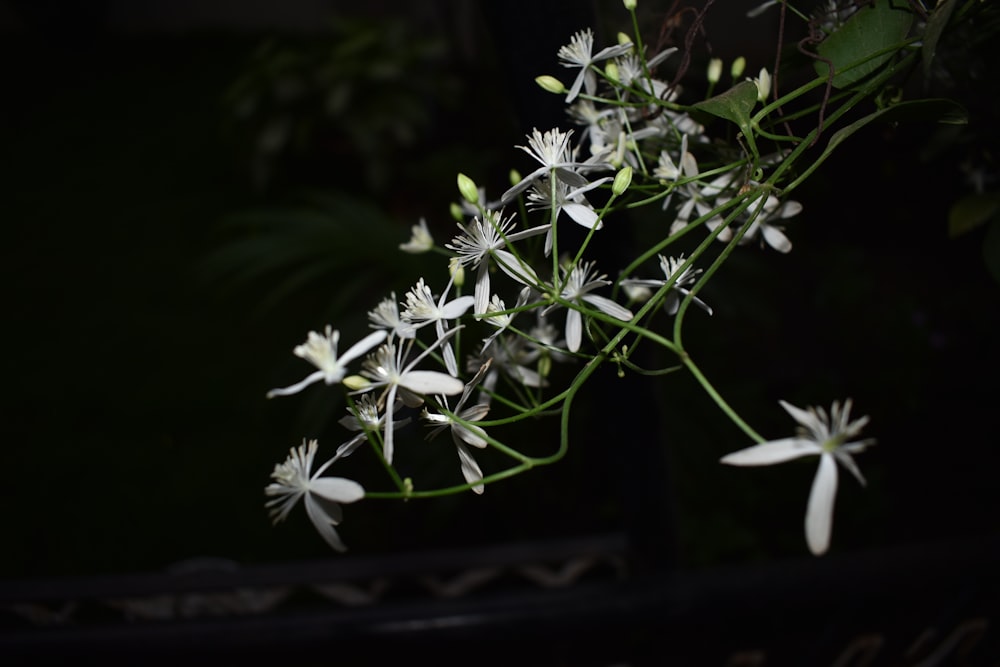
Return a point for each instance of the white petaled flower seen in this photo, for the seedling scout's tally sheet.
(773, 210)
(482, 239)
(572, 201)
(464, 434)
(578, 283)
(553, 151)
(831, 437)
(321, 351)
(672, 272)
(420, 239)
(386, 316)
(388, 369)
(495, 317)
(579, 53)
(323, 495)
(368, 418)
(422, 309)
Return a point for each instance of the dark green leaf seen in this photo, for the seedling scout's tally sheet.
(853, 47)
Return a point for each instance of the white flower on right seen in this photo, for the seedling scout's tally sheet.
(832, 437)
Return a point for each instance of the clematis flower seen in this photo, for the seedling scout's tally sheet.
(386, 316)
(420, 239)
(770, 233)
(671, 268)
(832, 438)
(464, 434)
(321, 351)
(388, 368)
(579, 53)
(422, 309)
(368, 418)
(482, 239)
(578, 283)
(553, 151)
(570, 201)
(323, 495)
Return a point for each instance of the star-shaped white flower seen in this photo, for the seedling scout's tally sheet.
(832, 438)
(464, 434)
(578, 283)
(671, 267)
(321, 351)
(553, 151)
(386, 316)
(482, 239)
(420, 239)
(367, 418)
(579, 53)
(764, 226)
(387, 368)
(323, 495)
(422, 309)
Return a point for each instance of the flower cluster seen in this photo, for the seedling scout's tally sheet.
(540, 315)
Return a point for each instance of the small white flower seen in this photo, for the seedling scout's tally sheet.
(832, 438)
(464, 434)
(367, 419)
(671, 267)
(579, 53)
(552, 149)
(321, 351)
(572, 202)
(482, 239)
(420, 239)
(386, 316)
(578, 283)
(323, 495)
(773, 211)
(387, 368)
(421, 309)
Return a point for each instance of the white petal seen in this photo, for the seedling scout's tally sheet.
(457, 307)
(776, 239)
(362, 346)
(297, 387)
(323, 524)
(337, 489)
(819, 512)
(508, 264)
(482, 290)
(431, 382)
(803, 417)
(470, 469)
(609, 307)
(472, 435)
(583, 215)
(574, 330)
(775, 451)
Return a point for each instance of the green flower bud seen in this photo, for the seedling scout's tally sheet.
(456, 212)
(468, 188)
(514, 176)
(551, 84)
(356, 382)
(737, 68)
(629, 4)
(714, 70)
(457, 271)
(611, 71)
(622, 180)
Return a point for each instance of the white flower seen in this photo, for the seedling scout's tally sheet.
(321, 351)
(367, 419)
(578, 53)
(420, 239)
(480, 240)
(577, 285)
(464, 434)
(323, 495)
(572, 202)
(671, 267)
(387, 368)
(422, 309)
(832, 439)
(386, 316)
(553, 151)
(773, 235)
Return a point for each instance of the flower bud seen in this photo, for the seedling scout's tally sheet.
(611, 71)
(622, 180)
(356, 382)
(468, 188)
(623, 39)
(714, 70)
(551, 84)
(514, 176)
(457, 271)
(455, 209)
(740, 64)
(629, 4)
(763, 85)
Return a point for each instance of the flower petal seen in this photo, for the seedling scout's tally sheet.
(574, 330)
(298, 386)
(775, 451)
(431, 382)
(362, 346)
(583, 215)
(323, 524)
(470, 469)
(819, 512)
(337, 489)
(609, 307)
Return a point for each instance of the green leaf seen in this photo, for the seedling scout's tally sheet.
(735, 104)
(853, 47)
(972, 211)
(932, 33)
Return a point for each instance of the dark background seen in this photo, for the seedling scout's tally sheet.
(135, 429)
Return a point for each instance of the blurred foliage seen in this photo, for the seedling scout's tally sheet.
(354, 95)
